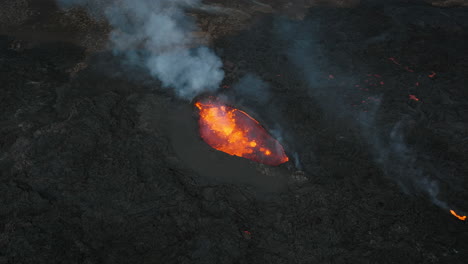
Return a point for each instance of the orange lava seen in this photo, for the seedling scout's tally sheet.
(236, 133)
(413, 97)
(463, 218)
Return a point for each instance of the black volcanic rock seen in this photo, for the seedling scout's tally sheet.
(99, 164)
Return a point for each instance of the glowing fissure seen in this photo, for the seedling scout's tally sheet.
(234, 132)
(463, 218)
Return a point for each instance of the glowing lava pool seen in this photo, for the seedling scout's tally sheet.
(234, 132)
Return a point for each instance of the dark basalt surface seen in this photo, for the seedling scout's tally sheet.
(99, 164)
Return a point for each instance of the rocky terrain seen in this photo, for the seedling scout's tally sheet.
(99, 164)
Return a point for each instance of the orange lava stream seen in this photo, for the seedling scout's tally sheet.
(463, 218)
(235, 132)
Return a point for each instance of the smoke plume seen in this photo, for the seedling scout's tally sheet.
(158, 35)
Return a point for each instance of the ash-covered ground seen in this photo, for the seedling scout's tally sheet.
(100, 164)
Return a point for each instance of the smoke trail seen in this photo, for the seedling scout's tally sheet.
(158, 35)
(398, 160)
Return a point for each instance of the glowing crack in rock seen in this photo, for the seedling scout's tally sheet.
(463, 218)
(234, 132)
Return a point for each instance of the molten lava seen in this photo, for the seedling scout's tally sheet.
(413, 97)
(463, 218)
(236, 133)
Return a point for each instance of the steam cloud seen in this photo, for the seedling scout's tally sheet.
(158, 35)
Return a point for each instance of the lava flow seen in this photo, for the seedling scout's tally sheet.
(236, 133)
(463, 218)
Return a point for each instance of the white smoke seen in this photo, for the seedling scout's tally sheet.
(189, 72)
(158, 35)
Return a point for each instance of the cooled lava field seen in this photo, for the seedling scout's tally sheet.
(243, 132)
